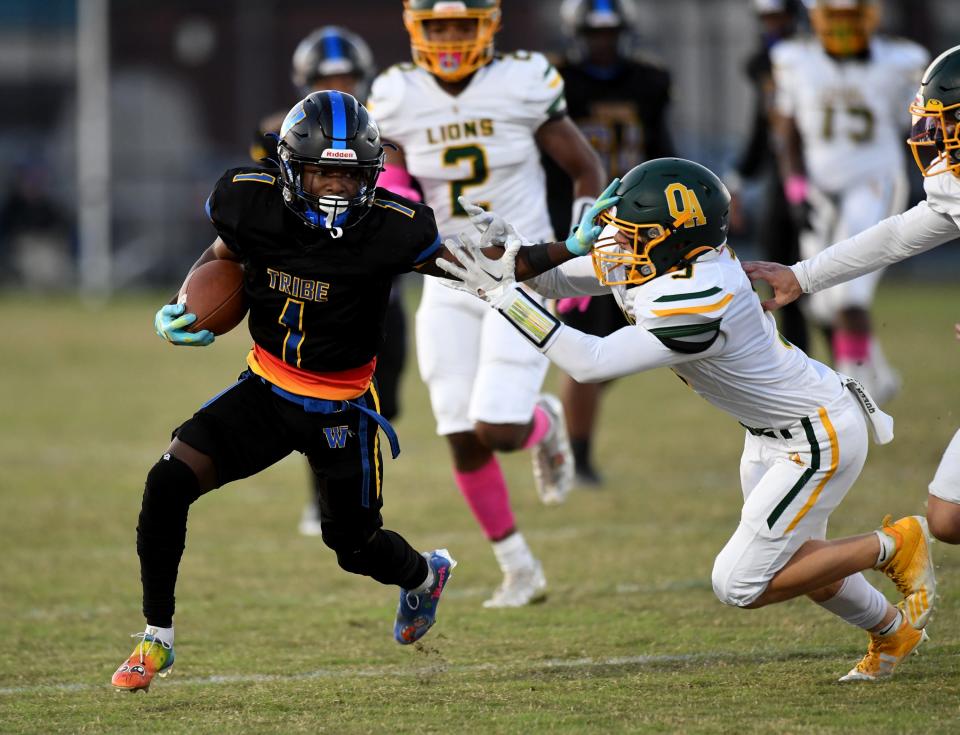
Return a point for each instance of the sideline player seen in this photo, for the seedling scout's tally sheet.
(837, 98)
(935, 141)
(469, 122)
(332, 57)
(619, 100)
(692, 309)
(776, 230)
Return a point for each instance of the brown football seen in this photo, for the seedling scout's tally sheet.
(214, 292)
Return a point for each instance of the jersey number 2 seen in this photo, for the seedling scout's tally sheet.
(478, 165)
(292, 319)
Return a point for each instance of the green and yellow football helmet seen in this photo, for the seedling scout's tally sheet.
(935, 132)
(451, 61)
(844, 27)
(670, 211)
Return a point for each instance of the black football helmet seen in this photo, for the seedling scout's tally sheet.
(329, 129)
(670, 211)
(330, 51)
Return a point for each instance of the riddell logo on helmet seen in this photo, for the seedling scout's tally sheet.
(342, 153)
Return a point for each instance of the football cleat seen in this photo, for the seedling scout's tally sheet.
(886, 652)
(553, 467)
(151, 657)
(911, 566)
(521, 587)
(417, 611)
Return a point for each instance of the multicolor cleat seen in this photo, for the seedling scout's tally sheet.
(886, 652)
(417, 611)
(911, 567)
(151, 657)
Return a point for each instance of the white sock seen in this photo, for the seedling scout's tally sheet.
(892, 627)
(425, 585)
(888, 548)
(513, 553)
(163, 634)
(858, 602)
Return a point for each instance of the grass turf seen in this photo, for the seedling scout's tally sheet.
(273, 637)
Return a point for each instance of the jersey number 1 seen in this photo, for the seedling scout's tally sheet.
(478, 164)
(292, 319)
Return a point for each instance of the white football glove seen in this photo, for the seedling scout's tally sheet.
(493, 229)
(479, 275)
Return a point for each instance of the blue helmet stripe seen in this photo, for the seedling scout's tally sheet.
(333, 46)
(339, 115)
(603, 6)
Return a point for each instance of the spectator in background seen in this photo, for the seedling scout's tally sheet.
(35, 244)
(776, 232)
(619, 100)
(335, 58)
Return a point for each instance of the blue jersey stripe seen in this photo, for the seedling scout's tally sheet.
(428, 252)
(339, 115)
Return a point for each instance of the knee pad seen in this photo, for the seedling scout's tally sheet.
(171, 486)
(729, 589)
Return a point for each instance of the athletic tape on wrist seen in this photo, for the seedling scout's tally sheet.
(532, 320)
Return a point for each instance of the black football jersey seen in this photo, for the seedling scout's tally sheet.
(623, 115)
(316, 301)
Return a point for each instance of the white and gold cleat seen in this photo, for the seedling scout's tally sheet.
(886, 652)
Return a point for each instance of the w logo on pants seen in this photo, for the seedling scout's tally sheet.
(337, 436)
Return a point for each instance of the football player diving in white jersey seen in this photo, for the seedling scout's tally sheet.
(841, 158)
(662, 251)
(935, 140)
(468, 121)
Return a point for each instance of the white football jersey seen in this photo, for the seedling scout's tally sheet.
(943, 195)
(706, 324)
(480, 143)
(850, 113)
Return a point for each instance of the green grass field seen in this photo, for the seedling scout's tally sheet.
(273, 637)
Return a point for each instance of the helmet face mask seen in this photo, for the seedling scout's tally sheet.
(329, 130)
(935, 129)
(451, 60)
(671, 211)
(844, 27)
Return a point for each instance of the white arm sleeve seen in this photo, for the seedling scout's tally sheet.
(589, 359)
(573, 278)
(890, 241)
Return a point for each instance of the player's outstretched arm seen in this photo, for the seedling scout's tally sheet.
(786, 287)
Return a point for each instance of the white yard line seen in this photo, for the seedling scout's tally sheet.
(391, 670)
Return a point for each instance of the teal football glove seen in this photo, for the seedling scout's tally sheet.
(585, 234)
(170, 323)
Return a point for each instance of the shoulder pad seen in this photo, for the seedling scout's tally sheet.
(537, 85)
(684, 313)
(387, 93)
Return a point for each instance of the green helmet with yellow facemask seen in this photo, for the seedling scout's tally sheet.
(670, 211)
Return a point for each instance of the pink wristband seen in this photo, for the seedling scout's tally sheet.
(396, 179)
(795, 189)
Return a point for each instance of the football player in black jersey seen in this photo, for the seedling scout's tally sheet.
(332, 57)
(320, 245)
(619, 100)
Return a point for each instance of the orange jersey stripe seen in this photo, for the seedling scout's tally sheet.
(342, 385)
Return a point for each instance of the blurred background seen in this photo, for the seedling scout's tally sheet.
(118, 116)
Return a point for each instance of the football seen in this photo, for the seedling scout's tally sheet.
(214, 292)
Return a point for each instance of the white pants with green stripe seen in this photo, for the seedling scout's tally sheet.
(790, 488)
(946, 483)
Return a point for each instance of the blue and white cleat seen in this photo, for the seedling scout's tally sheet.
(417, 611)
